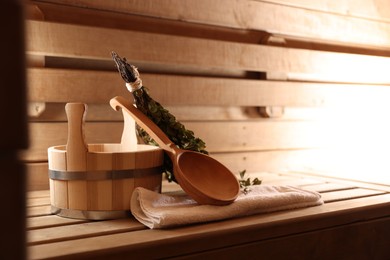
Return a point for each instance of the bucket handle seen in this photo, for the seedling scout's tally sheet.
(129, 139)
(76, 148)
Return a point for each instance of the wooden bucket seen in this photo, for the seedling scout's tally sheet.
(95, 181)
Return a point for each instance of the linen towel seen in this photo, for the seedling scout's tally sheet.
(156, 210)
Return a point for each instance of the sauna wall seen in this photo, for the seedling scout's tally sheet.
(268, 85)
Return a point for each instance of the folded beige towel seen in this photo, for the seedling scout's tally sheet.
(157, 210)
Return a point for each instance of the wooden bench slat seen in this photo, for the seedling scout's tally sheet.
(161, 243)
(349, 194)
(329, 186)
(261, 15)
(275, 179)
(38, 211)
(51, 221)
(38, 201)
(53, 39)
(332, 177)
(76, 231)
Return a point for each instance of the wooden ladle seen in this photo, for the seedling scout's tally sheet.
(203, 178)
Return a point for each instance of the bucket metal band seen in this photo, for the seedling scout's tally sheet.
(90, 214)
(104, 175)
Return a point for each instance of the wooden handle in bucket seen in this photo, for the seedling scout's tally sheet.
(76, 147)
(129, 137)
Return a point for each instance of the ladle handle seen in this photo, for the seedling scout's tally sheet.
(142, 120)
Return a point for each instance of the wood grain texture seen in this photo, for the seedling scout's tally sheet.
(116, 241)
(175, 50)
(257, 161)
(365, 26)
(51, 221)
(103, 112)
(37, 176)
(76, 147)
(370, 9)
(52, 12)
(210, 62)
(62, 85)
(70, 232)
(43, 137)
(222, 136)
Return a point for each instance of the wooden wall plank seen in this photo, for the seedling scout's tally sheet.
(219, 136)
(371, 9)
(84, 66)
(257, 161)
(64, 85)
(44, 135)
(259, 15)
(37, 176)
(75, 41)
(103, 112)
(59, 85)
(269, 161)
(102, 18)
(54, 112)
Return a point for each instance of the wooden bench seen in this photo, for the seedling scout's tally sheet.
(352, 224)
(271, 86)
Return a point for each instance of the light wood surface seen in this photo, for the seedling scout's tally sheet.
(216, 67)
(62, 85)
(220, 136)
(375, 9)
(177, 51)
(361, 23)
(363, 209)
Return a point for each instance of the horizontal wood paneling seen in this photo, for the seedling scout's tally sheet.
(53, 39)
(65, 85)
(59, 85)
(219, 136)
(55, 112)
(262, 15)
(103, 112)
(44, 135)
(372, 9)
(213, 64)
(37, 176)
(121, 20)
(259, 161)
(205, 62)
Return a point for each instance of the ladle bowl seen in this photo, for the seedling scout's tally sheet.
(203, 178)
